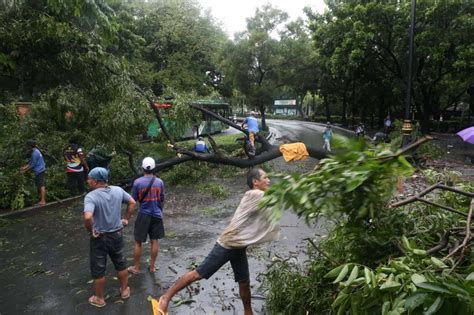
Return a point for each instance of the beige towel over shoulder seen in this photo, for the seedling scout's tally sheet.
(250, 224)
(294, 151)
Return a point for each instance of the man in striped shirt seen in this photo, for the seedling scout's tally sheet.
(250, 225)
(149, 191)
(76, 167)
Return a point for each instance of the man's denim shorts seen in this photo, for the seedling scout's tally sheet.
(110, 244)
(219, 256)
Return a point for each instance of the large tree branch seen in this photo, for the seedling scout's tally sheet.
(131, 163)
(157, 115)
(398, 71)
(443, 243)
(427, 191)
(418, 197)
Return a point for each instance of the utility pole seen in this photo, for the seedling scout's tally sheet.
(407, 127)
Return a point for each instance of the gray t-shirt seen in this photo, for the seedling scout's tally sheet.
(106, 205)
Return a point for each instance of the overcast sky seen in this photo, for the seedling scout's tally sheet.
(232, 13)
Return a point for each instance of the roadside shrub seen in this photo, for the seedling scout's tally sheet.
(185, 174)
(293, 289)
(56, 183)
(386, 261)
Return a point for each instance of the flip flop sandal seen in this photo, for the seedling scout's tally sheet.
(132, 270)
(125, 296)
(95, 301)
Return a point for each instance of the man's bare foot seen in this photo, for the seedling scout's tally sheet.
(152, 269)
(41, 203)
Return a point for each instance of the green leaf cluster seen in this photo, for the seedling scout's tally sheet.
(354, 184)
(377, 265)
(413, 284)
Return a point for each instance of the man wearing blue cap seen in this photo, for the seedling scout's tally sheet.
(102, 219)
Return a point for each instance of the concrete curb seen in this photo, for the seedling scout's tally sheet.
(35, 209)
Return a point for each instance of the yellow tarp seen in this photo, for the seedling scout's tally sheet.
(294, 151)
(154, 304)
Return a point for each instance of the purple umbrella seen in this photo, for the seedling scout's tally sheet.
(467, 134)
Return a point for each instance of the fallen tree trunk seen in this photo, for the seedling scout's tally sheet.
(266, 153)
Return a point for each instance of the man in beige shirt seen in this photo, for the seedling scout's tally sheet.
(250, 225)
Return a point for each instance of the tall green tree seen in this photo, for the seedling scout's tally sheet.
(366, 41)
(45, 44)
(253, 60)
(182, 46)
(299, 71)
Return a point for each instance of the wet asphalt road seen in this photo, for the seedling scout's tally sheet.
(44, 259)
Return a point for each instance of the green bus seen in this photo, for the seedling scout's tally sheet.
(206, 124)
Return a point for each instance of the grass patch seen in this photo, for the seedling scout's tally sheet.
(185, 174)
(171, 235)
(216, 190)
(210, 211)
(227, 144)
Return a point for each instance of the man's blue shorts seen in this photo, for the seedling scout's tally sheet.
(219, 256)
(39, 180)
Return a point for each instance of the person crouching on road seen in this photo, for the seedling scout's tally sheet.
(200, 146)
(102, 213)
(149, 191)
(250, 225)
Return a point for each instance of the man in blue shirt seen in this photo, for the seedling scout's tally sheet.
(201, 146)
(102, 213)
(149, 191)
(38, 166)
(251, 123)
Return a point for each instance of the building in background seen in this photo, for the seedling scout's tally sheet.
(285, 107)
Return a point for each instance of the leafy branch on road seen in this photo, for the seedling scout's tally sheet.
(379, 258)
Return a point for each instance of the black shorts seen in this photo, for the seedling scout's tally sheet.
(219, 256)
(148, 225)
(107, 244)
(39, 180)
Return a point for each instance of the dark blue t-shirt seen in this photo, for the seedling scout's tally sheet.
(152, 204)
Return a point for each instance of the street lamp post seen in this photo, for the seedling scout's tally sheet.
(407, 127)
